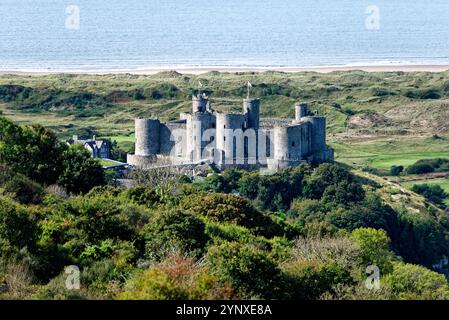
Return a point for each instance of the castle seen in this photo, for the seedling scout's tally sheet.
(231, 140)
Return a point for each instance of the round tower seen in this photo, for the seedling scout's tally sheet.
(300, 111)
(199, 103)
(281, 144)
(318, 138)
(147, 137)
(251, 107)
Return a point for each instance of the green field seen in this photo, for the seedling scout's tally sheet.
(382, 153)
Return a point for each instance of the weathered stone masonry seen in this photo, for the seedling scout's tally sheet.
(232, 140)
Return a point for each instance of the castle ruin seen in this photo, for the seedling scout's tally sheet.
(241, 140)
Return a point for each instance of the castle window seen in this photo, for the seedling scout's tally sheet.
(293, 143)
(224, 127)
(224, 138)
(213, 125)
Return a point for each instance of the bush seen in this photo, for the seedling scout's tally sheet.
(431, 192)
(168, 228)
(308, 279)
(177, 278)
(16, 224)
(19, 187)
(225, 208)
(250, 270)
(396, 170)
(142, 195)
(428, 166)
(412, 282)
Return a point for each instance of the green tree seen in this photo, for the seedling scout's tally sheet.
(80, 172)
(375, 248)
(33, 151)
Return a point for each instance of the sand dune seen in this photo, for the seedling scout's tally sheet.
(200, 70)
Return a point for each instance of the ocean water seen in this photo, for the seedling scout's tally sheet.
(113, 34)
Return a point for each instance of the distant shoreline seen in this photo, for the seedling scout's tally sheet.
(201, 70)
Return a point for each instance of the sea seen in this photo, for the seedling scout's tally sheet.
(77, 35)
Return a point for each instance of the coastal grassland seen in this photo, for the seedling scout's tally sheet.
(384, 152)
(376, 119)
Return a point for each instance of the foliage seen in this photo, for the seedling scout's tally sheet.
(375, 248)
(433, 193)
(81, 173)
(19, 187)
(412, 282)
(176, 278)
(428, 165)
(250, 270)
(226, 208)
(33, 151)
(396, 170)
(173, 228)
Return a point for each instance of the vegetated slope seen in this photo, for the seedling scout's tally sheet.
(374, 103)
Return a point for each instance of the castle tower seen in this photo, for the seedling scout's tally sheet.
(318, 133)
(251, 107)
(147, 137)
(300, 111)
(199, 103)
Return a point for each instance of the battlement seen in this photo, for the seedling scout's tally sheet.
(229, 139)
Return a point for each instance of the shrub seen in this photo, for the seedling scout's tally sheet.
(412, 282)
(428, 165)
(177, 278)
(143, 196)
(225, 208)
(173, 228)
(16, 224)
(19, 187)
(250, 270)
(308, 279)
(396, 170)
(431, 192)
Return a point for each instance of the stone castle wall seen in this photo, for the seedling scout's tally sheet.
(229, 142)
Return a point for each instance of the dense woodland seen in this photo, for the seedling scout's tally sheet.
(302, 233)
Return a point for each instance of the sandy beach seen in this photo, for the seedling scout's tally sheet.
(201, 70)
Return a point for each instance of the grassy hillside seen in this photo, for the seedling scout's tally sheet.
(376, 119)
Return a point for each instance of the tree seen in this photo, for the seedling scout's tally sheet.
(375, 248)
(33, 151)
(80, 172)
